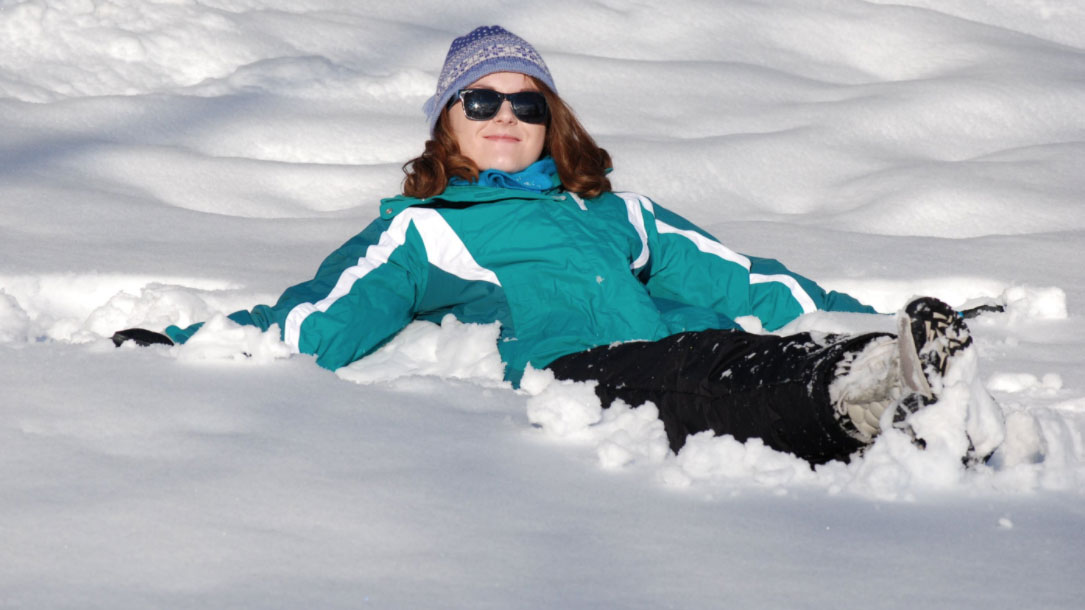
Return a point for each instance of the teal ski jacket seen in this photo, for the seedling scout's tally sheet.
(560, 273)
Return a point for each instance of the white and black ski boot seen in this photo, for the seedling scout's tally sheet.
(931, 333)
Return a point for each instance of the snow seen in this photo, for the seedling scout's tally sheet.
(169, 162)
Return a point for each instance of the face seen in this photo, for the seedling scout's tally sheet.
(503, 142)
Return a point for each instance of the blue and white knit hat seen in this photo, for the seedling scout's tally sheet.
(485, 50)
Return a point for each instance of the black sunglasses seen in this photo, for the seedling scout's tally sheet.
(483, 104)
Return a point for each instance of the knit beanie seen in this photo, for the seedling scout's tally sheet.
(485, 50)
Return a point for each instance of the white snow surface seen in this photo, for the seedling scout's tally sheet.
(171, 161)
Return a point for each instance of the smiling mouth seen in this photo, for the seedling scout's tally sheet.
(503, 138)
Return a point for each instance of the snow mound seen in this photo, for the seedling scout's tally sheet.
(221, 339)
(14, 322)
(452, 349)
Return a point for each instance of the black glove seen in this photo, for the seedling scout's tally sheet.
(973, 312)
(141, 337)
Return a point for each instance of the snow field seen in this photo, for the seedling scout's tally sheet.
(170, 162)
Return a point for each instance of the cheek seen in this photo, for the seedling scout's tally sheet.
(538, 138)
(463, 131)
(457, 127)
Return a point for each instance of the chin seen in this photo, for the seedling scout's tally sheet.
(510, 167)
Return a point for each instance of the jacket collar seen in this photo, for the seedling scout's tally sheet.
(463, 196)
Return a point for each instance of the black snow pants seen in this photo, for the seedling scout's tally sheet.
(731, 382)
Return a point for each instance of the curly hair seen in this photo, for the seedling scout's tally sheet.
(582, 164)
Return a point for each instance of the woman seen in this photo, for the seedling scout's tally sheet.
(508, 216)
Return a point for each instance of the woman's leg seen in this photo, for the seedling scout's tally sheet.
(731, 382)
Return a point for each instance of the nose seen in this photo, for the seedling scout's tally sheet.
(505, 113)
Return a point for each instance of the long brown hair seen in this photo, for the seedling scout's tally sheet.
(581, 163)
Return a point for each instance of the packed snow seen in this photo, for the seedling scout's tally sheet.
(170, 162)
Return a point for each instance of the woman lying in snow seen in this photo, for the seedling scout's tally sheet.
(508, 216)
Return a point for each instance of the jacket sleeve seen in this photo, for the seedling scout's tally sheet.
(687, 265)
(363, 293)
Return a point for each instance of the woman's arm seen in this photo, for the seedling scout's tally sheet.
(688, 265)
(363, 293)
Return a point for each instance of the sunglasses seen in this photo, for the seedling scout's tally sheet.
(483, 104)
